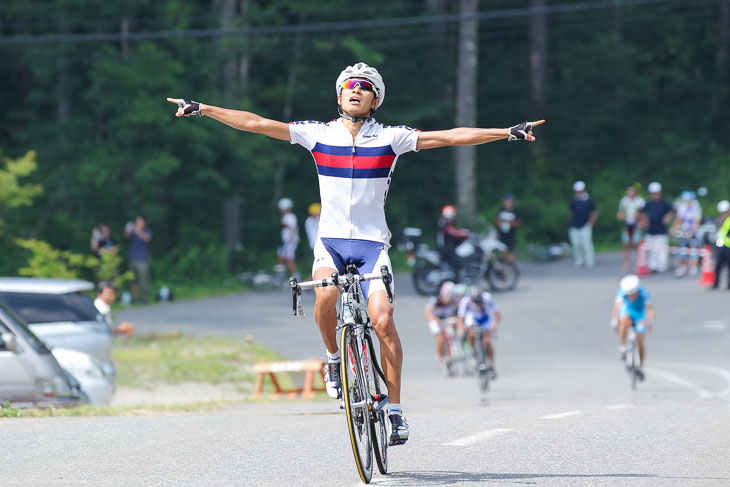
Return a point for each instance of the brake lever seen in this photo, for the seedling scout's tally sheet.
(387, 279)
(296, 298)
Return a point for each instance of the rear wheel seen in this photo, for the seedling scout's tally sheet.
(502, 274)
(631, 357)
(355, 398)
(482, 363)
(426, 278)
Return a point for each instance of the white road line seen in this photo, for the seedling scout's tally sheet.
(709, 369)
(703, 393)
(470, 440)
(618, 406)
(562, 415)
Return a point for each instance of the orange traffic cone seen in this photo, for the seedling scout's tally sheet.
(642, 261)
(708, 268)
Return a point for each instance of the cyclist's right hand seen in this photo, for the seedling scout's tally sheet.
(186, 108)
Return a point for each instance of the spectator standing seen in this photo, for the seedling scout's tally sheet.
(289, 237)
(101, 240)
(106, 295)
(723, 243)
(139, 256)
(657, 214)
(583, 215)
(507, 222)
(628, 213)
(311, 224)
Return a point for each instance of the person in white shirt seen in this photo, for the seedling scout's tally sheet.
(105, 297)
(628, 213)
(289, 237)
(355, 157)
(311, 224)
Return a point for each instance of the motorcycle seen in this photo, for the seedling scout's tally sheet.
(479, 260)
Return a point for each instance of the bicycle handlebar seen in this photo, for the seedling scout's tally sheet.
(339, 281)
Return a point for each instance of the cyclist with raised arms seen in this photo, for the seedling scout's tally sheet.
(439, 309)
(632, 307)
(478, 311)
(355, 157)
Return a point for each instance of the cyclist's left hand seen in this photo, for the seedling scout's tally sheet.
(523, 131)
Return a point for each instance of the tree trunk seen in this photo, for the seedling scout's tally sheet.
(617, 34)
(466, 111)
(291, 84)
(244, 60)
(723, 41)
(124, 27)
(230, 68)
(538, 58)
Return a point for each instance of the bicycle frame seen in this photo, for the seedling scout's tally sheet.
(362, 398)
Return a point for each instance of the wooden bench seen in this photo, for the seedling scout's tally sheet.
(309, 368)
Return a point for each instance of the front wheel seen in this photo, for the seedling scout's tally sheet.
(378, 421)
(502, 274)
(356, 398)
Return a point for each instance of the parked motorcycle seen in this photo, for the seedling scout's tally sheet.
(479, 261)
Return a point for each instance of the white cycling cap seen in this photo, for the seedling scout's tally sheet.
(579, 186)
(723, 206)
(655, 187)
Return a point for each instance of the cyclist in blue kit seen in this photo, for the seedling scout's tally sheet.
(355, 157)
(632, 308)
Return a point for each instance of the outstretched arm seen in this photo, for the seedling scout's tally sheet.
(475, 136)
(238, 119)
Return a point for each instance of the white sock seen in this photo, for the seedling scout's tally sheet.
(333, 357)
(394, 409)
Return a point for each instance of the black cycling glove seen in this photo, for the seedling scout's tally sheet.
(190, 107)
(519, 132)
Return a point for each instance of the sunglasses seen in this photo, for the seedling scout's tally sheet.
(350, 84)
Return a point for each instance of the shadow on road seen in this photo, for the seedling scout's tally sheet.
(461, 478)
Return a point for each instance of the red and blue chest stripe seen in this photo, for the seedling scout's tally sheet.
(353, 162)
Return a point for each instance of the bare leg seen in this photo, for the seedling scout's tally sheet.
(640, 342)
(440, 345)
(391, 352)
(325, 313)
(486, 339)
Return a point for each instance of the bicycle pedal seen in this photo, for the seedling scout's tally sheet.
(397, 442)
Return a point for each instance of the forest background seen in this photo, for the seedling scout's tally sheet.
(633, 91)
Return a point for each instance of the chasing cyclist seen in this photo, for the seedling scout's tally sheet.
(632, 307)
(355, 158)
(440, 309)
(477, 311)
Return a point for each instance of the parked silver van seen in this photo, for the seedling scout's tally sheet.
(29, 374)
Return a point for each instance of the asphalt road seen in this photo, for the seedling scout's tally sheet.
(561, 412)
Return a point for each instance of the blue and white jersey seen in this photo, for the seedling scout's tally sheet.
(477, 314)
(636, 307)
(354, 176)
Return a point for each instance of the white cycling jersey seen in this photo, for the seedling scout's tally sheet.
(354, 176)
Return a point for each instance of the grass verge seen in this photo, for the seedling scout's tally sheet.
(146, 362)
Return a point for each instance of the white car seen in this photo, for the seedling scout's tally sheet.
(62, 315)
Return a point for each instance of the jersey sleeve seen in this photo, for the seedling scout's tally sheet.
(490, 302)
(645, 295)
(306, 133)
(404, 139)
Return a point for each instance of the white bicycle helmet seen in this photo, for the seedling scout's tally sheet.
(629, 284)
(285, 204)
(362, 70)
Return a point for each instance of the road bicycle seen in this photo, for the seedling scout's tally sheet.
(364, 394)
(458, 354)
(632, 357)
(484, 368)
